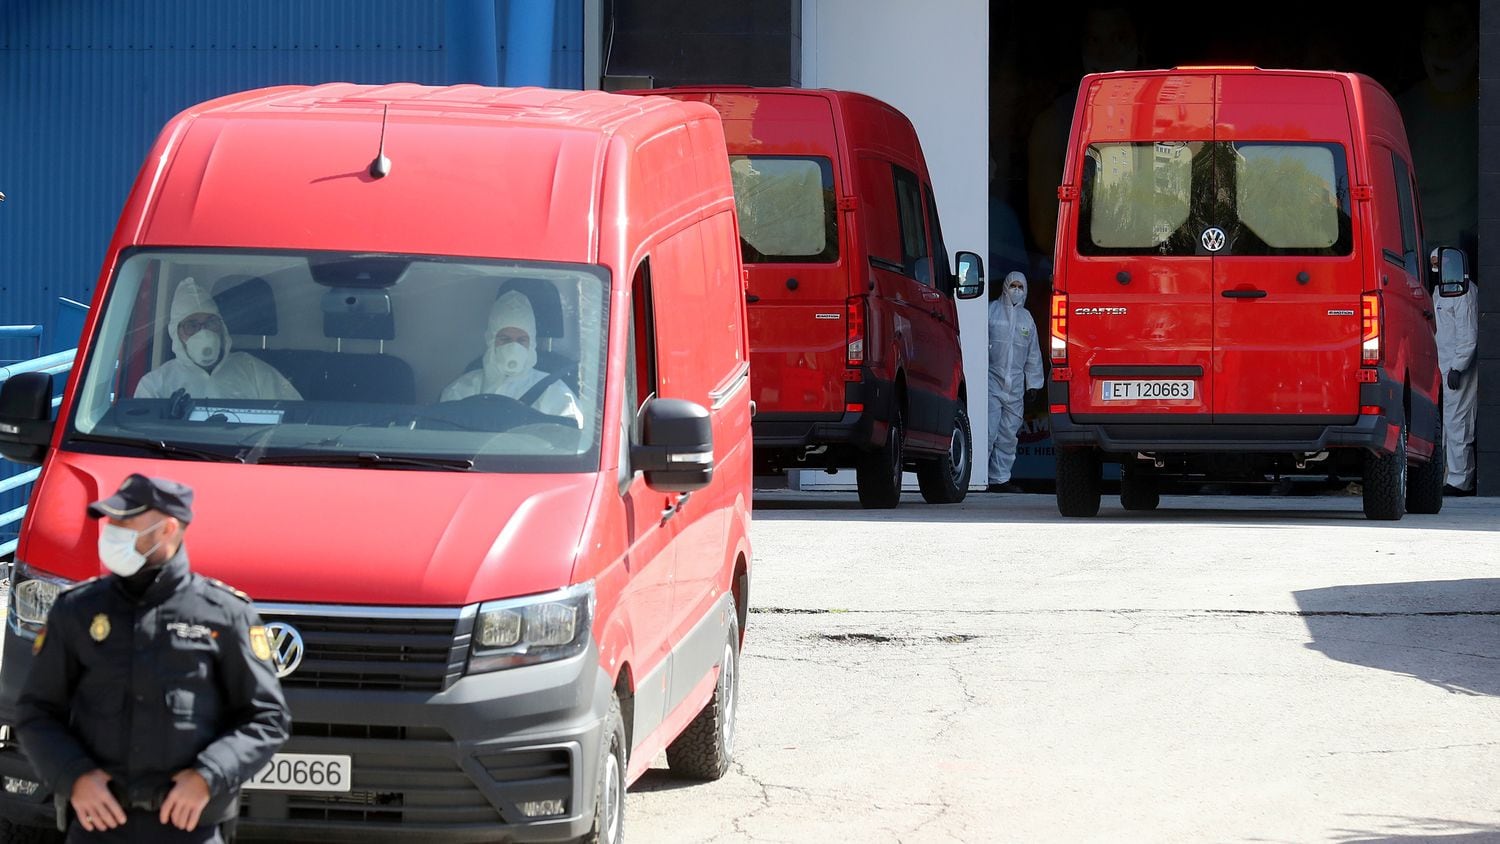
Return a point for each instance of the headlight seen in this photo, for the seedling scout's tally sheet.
(32, 594)
(539, 628)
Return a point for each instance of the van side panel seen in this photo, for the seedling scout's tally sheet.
(1158, 322)
(1287, 326)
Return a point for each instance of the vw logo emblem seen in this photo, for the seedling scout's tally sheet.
(1213, 239)
(286, 647)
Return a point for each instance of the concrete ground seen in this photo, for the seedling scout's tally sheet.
(1222, 669)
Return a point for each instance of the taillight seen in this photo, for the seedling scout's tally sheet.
(1370, 323)
(1059, 328)
(854, 336)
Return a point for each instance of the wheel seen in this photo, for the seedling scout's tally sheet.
(706, 747)
(1385, 482)
(1138, 491)
(945, 480)
(1424, 490)
(609, 794)
(878, 474)
(1078, 477)
(14, 833)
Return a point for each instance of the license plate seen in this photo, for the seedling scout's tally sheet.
(303, 772)
(1146, 390)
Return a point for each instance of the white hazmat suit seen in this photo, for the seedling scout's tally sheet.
(1015, 367)
(510, 367)
(204, 366)
(1457, 339)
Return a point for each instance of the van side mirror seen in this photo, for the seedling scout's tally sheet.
(1452, 267)
(676, 451)
(26, 417)
(970, 276)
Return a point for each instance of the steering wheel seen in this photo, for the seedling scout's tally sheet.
(488, 412)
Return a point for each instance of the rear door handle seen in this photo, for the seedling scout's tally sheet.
(751, 298)
(1244, 294)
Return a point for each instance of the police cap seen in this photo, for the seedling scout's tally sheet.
(138, 493)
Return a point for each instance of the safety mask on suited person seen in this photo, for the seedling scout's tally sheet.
(204, 348)
(507, 361)
(117, 548)
(1015, 296)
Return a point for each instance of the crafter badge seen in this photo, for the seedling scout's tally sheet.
(99, 629)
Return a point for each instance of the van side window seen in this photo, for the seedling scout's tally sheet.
(1409, 245)
(915, 259)
(641, 357)
(939, 248)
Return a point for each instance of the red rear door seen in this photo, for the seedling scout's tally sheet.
(1287, 279)
(782, 151)
(1139, 281)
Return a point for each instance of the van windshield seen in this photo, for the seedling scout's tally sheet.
(341, 359)
(786, 209)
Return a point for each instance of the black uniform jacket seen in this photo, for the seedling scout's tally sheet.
(181, 678)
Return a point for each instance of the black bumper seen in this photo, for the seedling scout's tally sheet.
(783, 439)
(452, 766)
(1124, 433)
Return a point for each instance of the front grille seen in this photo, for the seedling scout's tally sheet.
(522, 765)
(377, 651)
(389, 786)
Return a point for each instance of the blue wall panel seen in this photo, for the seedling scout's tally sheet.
(86, 85)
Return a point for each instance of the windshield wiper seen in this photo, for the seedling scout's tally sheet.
(367, 459)
(162, 447)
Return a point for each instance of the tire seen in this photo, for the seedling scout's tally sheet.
(1424, 490)
(878, 474)
(945, 480)
(1138, 491)
(706, 748)
(609, 789)
(1079, 474)
(1385, 481)
(14, 833)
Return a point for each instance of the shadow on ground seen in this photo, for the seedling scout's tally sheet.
(1443, 632)
(1394, 829)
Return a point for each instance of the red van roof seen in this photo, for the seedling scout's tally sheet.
(288, 168)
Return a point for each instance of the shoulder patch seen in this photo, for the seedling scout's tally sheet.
(227, 588)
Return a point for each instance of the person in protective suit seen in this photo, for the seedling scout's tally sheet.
(204, 366)
(152, 693)
(509, 366)
(1457, 340)
(1015, 376)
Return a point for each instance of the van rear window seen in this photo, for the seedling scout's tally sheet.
(786, 209)
(1162, 198)
(1291, 198)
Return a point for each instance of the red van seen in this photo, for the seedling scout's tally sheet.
(1241, 291)
(491, 610)
(855, 359)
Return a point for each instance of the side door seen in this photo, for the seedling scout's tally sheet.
(946, 351)
(930, 317)
(651, 558)
(1419, 331)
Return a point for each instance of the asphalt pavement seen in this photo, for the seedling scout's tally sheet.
(1221, 669)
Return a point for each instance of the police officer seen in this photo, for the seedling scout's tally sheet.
(153, 695)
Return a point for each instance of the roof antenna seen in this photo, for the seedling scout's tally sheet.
(381, 166)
